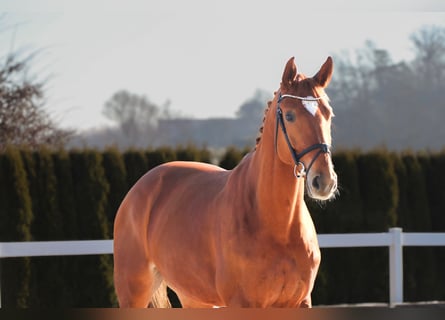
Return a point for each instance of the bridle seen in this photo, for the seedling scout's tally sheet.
(299, 167)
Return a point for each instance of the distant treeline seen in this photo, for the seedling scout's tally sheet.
(74, 195)
(378, 101)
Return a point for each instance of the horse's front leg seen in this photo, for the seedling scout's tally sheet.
(306, 303)
(241, 302)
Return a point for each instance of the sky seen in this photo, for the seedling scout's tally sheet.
(205, 57)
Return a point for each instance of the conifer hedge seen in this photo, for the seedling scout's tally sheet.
(414, 216)
(15, 225)
(159, 156)
(136, 165)
(74, 195)
(433, 166)
(379, 193)
(90, 193)
(69, 271)
(232, 157)
(116, 176)
(343, 265)
(46, 226)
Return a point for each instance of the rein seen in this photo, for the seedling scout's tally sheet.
(299, 167)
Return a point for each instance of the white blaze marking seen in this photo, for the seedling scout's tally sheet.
(310, 104)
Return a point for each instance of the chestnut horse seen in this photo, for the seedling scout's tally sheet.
(241, 237)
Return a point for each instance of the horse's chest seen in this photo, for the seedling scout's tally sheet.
(277, 276)
(282, 278)
(287, 279)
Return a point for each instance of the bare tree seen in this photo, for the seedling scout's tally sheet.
(429, 47)
(136, 116)
(23, 121)
(379, 101)
(253, 108)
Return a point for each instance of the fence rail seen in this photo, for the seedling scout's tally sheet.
(55, 248)
(394, 239)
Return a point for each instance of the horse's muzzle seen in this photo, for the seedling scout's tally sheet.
(321, 186)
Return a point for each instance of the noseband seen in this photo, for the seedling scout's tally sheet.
(299, 167)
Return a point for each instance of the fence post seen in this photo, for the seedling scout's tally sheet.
(396, 267)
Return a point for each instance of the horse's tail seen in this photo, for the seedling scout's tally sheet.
(160, 297)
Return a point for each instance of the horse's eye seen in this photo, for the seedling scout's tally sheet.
(290, 116)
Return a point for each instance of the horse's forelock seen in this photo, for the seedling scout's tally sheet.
(300, 77)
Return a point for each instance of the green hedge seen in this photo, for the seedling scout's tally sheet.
(15, 225)
(74, 195)
(116, 176)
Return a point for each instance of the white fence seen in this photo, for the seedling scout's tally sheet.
(395, 240)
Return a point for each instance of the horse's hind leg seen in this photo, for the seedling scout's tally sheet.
(134, 276)
(133, 280)
(190, 303)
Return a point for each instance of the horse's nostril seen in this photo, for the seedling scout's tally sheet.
(316, 182)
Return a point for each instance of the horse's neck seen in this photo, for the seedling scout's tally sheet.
(279, 197)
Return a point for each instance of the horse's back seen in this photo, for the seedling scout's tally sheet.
(183, 195)
(181, 182)
(170, 188)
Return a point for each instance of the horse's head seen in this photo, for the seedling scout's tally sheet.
(303, 128)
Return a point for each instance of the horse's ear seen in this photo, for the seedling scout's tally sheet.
(289, 74)
(323, 77)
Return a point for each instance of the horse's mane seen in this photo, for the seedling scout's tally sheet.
(258, 139)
